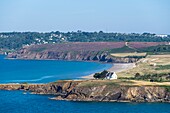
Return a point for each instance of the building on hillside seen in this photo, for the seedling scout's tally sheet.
(162, 35)
(111, 76)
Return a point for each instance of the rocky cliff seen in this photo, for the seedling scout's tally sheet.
(78, 56)
(75, 91)
(79, 52)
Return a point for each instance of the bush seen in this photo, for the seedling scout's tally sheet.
(137, 75)
(153, 77)
(100, 75)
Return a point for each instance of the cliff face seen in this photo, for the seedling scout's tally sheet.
(72, 90)
(101, 56)
(89, 51)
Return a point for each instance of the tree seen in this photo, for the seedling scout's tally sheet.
(100, 75)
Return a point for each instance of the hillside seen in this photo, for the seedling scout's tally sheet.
(16, 40)
(152, 68)
(84, 51)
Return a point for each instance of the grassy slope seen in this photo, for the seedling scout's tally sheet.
(121, 82)
(149, 65)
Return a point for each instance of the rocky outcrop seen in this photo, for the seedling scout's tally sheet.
(75, 91)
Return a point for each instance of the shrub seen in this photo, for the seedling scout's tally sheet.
(137, 75)
(100, 75)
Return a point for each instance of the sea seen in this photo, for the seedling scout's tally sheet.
(44, 71)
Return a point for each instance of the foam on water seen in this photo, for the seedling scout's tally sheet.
(33, 80)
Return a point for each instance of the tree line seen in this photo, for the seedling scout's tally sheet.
(15, 40)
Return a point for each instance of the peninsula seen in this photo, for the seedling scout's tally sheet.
(99, 90)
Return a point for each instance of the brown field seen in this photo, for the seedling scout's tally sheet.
(79, 46)
(144, 44)
(90, 46)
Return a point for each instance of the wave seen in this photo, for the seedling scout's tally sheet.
(32, 80)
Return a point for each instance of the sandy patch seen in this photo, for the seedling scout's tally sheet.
(117, 67)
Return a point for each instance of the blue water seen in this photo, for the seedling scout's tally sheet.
(43, 71)
(17, 102)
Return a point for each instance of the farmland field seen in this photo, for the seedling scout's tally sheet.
(94, 46)
(138, 45)
(78, 46)
(129, 54)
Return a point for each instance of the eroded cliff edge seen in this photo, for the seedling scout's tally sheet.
(83, 91)
(73, 51)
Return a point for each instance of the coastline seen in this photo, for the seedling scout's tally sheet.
(116, 67)
(96, 91)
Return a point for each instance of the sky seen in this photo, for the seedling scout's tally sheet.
(125, 16)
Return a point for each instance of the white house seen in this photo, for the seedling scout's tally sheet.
(111, 76)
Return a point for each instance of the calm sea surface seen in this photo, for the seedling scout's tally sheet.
(44, 71)
(17, 102)
(34, 71)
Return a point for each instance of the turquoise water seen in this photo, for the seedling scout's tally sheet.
(43, 71)
(17, 102)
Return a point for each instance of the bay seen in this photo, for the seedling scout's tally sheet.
(44, 71)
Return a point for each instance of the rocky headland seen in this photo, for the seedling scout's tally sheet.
(73, 51)
(93, 91)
